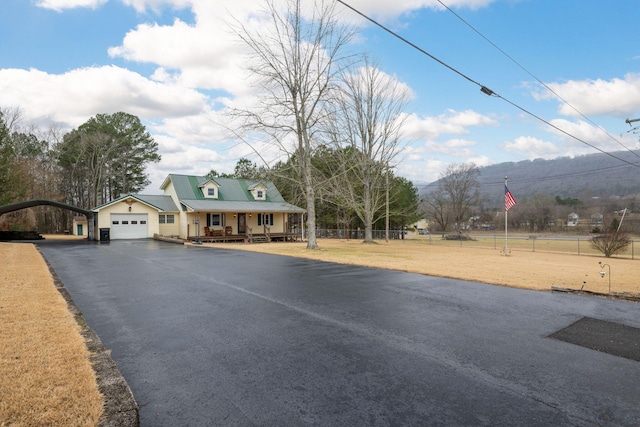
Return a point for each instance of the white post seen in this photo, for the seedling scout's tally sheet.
(386, 226)
(506, 235)
(622, 219)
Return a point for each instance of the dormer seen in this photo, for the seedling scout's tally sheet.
(210, 189)
(258, 191)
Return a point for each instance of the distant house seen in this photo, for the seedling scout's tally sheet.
(201, 207)
(572, 219)
(597, 219)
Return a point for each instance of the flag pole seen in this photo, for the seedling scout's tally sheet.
(506, 234)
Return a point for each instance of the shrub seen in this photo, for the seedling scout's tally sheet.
(611, 243)
(459, 236)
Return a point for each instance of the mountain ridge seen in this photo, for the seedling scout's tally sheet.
(587, 176)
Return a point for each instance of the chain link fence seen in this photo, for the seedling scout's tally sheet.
(578, 245)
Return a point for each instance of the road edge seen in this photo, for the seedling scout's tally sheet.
(120, 406)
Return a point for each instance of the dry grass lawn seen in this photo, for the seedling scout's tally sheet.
(522, 269)
(46, 378)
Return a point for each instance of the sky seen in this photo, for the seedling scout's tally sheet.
(177, 65)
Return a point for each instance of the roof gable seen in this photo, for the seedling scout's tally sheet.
(160, 202)
(188, 187)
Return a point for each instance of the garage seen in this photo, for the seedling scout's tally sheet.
(129, 226)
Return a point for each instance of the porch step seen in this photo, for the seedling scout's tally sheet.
(259, 239)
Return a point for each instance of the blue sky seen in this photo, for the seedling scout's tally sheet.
(174, 64)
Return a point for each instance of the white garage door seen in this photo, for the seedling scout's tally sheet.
(129, 226)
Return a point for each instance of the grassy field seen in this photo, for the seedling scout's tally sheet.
(476, 261)
(46, 378)
(567, 244)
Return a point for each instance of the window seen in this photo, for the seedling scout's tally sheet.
(214, 219)
(115, 222)
(125, 222)
(267, 219)
(211, 192)
(166, 219)
(260, 194)
(134, 222)
(143, 222)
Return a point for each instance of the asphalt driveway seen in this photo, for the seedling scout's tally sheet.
(222, 337)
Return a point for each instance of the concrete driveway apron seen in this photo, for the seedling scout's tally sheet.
(224, 337)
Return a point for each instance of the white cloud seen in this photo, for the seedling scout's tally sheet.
(532, 148)
(479, 161)
(424, 171)
(451, 122)
(203, 55)
(617, 97)
(144, 5)
(390, 9)
(60, 5)
(452, 147)
(73, 97)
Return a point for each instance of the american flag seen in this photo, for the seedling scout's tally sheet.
(509, 201)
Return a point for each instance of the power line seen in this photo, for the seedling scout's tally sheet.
(537, 79)
(543, 178)
(483, 88)
(553, 177)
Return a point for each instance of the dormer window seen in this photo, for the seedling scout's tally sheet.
(210, 190)
(258, 191)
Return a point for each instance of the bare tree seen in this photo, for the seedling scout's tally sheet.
(437, 208)
(457, 194)
(296, 60)
(534, 212)
(611, 243)
(367, 129)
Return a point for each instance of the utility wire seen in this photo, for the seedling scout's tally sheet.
(552, 177)
(537, 79)
(483, 88)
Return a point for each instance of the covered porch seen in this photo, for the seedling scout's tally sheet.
(245, 227)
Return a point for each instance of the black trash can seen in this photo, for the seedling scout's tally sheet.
(104, 235)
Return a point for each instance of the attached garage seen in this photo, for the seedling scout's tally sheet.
(129, 226)
(134, 216)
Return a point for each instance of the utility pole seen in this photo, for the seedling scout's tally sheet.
(634, 128)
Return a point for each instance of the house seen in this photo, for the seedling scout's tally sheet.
(597, 219)
(572, 219)
(205, 208)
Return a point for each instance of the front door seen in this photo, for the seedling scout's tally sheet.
(79, 229)
(242, 223)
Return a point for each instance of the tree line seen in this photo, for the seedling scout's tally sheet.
(86, 167)
(456, 205)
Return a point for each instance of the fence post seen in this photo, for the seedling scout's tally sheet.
(578, 245)
(494, 242)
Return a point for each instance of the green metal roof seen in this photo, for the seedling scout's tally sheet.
(188, 188)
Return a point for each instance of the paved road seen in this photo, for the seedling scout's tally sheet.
(223, 337)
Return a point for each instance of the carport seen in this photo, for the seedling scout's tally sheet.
(44, 202)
